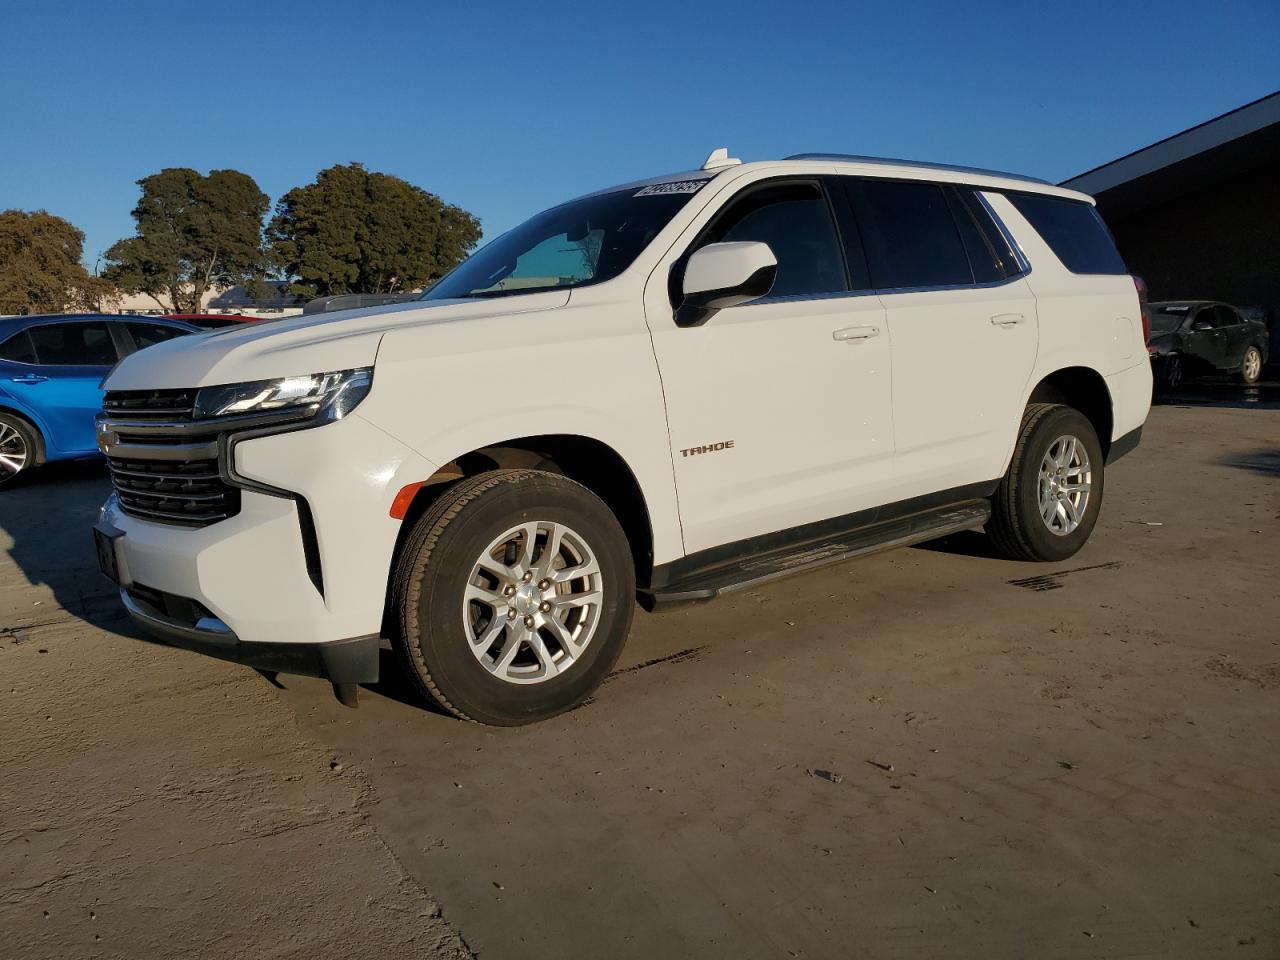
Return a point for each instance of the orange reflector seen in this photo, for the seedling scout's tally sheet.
(400, 505)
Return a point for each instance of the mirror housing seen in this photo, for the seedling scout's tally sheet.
(1201, 325)
(723, 275)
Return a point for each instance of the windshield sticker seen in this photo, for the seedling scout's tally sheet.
(679, 186)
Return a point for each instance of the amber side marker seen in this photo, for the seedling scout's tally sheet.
(400, 505)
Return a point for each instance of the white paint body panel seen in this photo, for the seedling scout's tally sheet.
(834, 404)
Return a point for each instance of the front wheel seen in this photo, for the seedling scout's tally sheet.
(512, 597)
(1251, 365)
(1048, 502)
(1171, 372)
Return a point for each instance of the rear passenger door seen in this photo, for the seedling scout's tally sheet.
(962, 325)
(71, 357)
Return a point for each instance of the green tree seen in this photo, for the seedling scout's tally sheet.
(353, 231)
(194, 233)
(40, 268)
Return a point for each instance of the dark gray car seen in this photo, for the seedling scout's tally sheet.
(1194, 337)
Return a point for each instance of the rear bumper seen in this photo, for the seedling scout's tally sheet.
(339, 661)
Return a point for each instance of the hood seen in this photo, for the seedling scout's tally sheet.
(301, 345)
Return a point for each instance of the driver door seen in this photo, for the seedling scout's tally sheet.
(778, 409)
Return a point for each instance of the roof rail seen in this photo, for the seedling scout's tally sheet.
(919, 164)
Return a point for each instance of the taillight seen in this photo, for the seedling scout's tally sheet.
(1142, 308)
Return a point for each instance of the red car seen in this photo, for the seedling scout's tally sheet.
(212, 321)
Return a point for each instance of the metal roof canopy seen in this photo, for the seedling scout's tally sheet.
(1249, 121)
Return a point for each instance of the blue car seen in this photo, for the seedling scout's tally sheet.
(50, 368)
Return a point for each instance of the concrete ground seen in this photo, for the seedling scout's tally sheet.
(929, 752)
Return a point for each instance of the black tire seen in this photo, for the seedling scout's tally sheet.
(434, 567)
(18, 437)
(1251, 365)
(1016, 526)
(1172, 372)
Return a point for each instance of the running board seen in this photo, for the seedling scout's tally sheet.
(757, 569)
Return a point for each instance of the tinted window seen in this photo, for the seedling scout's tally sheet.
(909, 234)
(1226, 317)
(18, 349)
(1073, 230)
(986, 266)
(996, 238)
(795, 221)
(74, 344)
(147, 334)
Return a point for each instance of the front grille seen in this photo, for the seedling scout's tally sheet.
(149, 404)
(188, 492)
(164, 464)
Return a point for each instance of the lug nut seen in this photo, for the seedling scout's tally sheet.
(528, 622)
(511, 613)
(545, 606)
(508, 591)
(527, 577)
(544, 585)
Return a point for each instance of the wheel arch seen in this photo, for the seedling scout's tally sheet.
(42, 442)
(585, 460)
(1086, 390)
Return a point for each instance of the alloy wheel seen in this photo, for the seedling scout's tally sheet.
(13, 451)
(1252, 364)
(1064, 480)
(532, 602)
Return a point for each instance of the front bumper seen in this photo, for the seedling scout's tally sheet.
(303, 563)
(340, 661)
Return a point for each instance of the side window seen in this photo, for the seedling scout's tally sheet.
(149, 334)
(1073, 230)
(983, 260)
(1010, 263)
(18, 349)
(795, 221)
(74, 344)
(910, 235)
(1206, 318)
(1226, 317)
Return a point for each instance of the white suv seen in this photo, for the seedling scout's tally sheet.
(664, 391)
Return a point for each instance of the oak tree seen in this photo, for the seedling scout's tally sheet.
(358, 231)
(40, 268)
(194, 233)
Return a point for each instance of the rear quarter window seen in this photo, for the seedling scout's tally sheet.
(1074, 232)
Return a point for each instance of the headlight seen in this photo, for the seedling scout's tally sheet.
(326, 396)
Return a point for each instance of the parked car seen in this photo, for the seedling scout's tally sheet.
(213, 321)
(1194, 337)
(667, 390)
(51, 368)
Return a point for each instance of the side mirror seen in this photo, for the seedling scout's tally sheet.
(723, 275)
(1200, 325)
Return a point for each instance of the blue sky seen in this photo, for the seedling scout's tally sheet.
(506, 108)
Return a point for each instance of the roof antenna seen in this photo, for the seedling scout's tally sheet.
(720, 158)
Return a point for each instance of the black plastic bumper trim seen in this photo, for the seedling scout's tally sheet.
(354, 660)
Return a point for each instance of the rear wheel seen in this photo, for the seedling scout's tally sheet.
(512, 597)
(19, 447)
(1251, 365)
(1046, 506)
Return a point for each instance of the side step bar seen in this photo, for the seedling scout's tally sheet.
(757, 569)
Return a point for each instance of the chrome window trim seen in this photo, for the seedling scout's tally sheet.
(1018, 255)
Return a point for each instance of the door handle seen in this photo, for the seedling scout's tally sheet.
(855, 334)
(29, 378)
(1006, 319)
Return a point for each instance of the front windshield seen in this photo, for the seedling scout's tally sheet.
(577, 243)
(1167, 320)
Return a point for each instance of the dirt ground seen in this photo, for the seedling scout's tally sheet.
(931, 752)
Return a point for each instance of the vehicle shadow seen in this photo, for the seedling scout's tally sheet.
(47, 515)
(966, 543)
(1224, 393)
(1264, 461)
